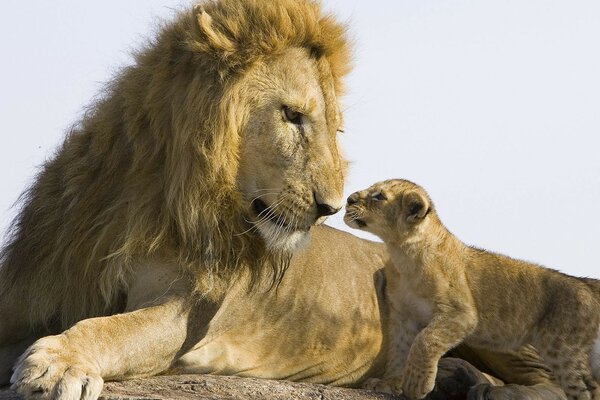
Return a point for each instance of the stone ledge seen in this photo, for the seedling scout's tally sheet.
(210, 387)
(455, 378)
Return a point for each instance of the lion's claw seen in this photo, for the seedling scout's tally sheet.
(45, 373)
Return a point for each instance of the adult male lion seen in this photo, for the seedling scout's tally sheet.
(159, 233)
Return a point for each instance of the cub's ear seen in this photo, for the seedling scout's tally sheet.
(414, 206)
(216, 38)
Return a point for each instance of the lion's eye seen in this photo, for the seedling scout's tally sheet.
(378, 196)
(292, 116)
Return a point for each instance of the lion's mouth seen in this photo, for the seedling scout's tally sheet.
(264, 212)
(360, 222)
(280, 235)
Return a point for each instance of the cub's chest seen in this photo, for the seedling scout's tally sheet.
(404, 299)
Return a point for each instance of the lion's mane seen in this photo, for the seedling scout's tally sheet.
(150, 170)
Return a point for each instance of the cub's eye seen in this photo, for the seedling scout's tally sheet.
(378, 196)
(292, 116)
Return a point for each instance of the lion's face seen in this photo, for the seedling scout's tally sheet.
(291, 172)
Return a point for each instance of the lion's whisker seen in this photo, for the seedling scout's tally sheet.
(265, 190)
(263, 216)
(262, 195)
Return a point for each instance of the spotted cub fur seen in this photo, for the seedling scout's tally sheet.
(442, 292)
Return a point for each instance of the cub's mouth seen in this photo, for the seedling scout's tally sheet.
(351, 219)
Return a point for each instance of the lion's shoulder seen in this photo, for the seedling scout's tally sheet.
(348, 252)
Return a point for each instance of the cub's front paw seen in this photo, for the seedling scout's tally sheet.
(45, 371)
(385, 385)
(418, 382)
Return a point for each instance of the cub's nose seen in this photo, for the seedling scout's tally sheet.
(353, 198)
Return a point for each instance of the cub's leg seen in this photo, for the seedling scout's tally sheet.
(401, 332)
(566, 345)
(526, 374)
(456, 378)
(486, 391)
(572, 369)
(444, 332)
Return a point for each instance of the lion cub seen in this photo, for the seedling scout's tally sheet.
(442, 292)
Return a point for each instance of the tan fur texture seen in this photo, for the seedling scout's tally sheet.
(442, 292)
(216, 151)
(148, 219)
(153, 169)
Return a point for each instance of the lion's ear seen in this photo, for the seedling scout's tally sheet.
(216, 38)
(414, 206)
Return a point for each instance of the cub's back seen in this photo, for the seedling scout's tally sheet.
(515, 295)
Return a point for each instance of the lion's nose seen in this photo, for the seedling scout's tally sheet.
(353, 198)
(324, 209)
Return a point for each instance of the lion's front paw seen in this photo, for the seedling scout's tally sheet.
(45, 372)
(418, 382)
(386, 385)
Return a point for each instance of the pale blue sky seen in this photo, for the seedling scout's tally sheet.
(493, 106)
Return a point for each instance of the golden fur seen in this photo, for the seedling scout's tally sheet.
(442, 293)
(151, 169)
(149, 203)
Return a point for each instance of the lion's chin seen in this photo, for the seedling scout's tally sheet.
(282, 241)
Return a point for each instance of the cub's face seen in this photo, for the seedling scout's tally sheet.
(391, 210)
(291, 171)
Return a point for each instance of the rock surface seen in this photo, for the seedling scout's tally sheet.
(455, 378)
(205, 387)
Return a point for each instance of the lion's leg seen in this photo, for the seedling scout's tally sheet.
(15, 333)
(8, 356)
(139, 343)
(74, 364)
